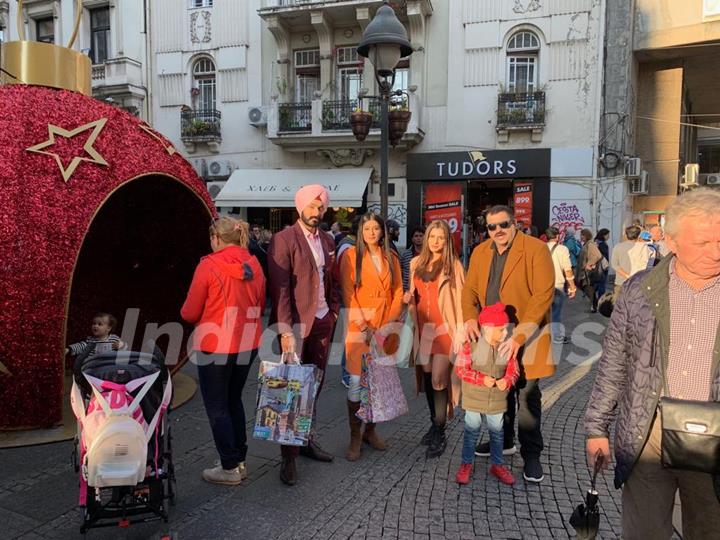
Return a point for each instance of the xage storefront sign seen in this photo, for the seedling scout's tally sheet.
(479, 164)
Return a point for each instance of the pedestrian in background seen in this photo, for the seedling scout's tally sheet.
(620, 259)
(371, 284)
(413, 250)
(225, 303)
(589, 273)
(393, 229)
(564, 279)
(574, 247)
(436, 283)
(601, 239)
(662, 339)
(658, 239)
(517, 270)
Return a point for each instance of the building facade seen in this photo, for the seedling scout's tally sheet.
(113, 34)
(661, 122)
(514, 116)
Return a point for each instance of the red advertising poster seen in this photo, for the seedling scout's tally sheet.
(523, 202)
(444, 201)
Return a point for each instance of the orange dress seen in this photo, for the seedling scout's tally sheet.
(434, 337)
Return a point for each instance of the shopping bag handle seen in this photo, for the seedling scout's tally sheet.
(289, 358)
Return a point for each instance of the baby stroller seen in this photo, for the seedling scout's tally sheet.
(123, 448)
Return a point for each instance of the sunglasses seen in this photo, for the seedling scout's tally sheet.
(502, 225)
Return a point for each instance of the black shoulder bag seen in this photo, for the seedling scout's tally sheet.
(690, 432)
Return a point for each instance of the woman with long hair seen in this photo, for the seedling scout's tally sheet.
(371, 285)
(225, 303)
(436, 281)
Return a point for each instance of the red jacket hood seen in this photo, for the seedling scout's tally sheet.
(233, 262)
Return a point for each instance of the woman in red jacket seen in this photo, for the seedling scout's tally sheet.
(225, 303)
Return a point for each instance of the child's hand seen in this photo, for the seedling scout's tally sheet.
(501, 384)
(489, 382)
(406, 298)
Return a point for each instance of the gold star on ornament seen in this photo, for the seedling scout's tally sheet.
(95, 157)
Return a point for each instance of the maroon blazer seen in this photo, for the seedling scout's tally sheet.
(293, 279)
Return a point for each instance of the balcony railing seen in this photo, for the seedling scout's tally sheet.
(98, 72)
(336, 114)
(295, 116)
(200, 126)
(518, 110)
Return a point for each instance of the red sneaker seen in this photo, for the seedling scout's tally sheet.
(464, 473)
(503, 474)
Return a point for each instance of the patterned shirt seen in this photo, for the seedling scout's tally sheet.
(694, 321)
(99, 345)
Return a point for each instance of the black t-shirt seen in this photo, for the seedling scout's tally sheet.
(492, 295)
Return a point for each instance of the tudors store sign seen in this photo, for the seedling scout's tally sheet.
(477, 164)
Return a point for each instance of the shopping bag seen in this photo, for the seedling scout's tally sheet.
(285, 402)
(381, 395)
(406, 339)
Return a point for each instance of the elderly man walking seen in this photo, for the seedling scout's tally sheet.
(665, 329)
(517, 270)
(305, 303)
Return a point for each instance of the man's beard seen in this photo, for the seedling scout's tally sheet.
(311, 221)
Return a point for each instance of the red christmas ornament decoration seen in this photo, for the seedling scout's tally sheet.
(99, 213)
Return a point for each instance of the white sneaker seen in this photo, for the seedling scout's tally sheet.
(226, 477)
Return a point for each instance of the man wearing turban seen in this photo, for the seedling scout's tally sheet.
(305, 304)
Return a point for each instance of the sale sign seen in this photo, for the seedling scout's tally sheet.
(444, 201)
(523, 202)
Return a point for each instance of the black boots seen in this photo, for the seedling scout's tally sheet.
(438, 442)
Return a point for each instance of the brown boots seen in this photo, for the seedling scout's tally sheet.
(353, 451)
(356, 439)
(372, 438)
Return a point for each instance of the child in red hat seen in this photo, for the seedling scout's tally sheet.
(486, 380)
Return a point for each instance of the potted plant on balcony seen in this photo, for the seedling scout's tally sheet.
(360, 122)
(398, 120)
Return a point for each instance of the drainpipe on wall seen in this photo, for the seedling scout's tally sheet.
(148, 63)
(599, 110)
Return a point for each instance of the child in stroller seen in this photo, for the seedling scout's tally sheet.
(101, 340)
(121, 400)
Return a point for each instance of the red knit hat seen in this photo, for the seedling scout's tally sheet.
(494, 315)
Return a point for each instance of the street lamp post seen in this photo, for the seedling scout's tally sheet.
(384, 42)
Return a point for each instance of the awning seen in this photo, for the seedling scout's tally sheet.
(277, 187)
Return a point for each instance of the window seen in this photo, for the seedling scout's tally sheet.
(307, 59)
(99, 35)
(349, 73)
(522, 60)
(204, 81)
(307, 74)
(201, 3)
(45, 30)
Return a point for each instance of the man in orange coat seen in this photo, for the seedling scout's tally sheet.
(516, 269)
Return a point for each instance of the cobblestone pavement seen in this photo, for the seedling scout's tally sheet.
(391, 494)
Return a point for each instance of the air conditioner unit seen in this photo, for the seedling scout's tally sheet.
(633, 166)
(640, 185)
(712, 179)
(692, 175)
(219, 169)
(257, 116)
(214, 189)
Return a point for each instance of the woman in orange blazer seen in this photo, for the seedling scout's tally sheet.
(371, 284)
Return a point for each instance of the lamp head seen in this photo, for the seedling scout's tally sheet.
(384, 41)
